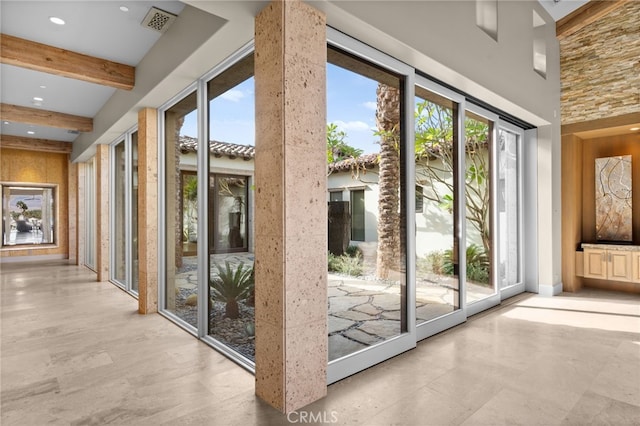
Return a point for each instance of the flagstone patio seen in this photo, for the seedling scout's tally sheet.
(362, 311)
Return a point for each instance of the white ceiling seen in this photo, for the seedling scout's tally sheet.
(95, 28)
(560, 9)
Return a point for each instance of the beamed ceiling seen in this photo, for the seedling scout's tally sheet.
(56, 78)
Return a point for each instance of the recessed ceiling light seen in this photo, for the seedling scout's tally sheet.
(6, 122)
(124, 8)
(31, 132)
(38, 99)
(43, 86)
(56, 20)
(633, 129)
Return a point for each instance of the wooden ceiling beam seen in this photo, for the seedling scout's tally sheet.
(40, 117)
(41, 57)
(585, 15)
(33, 144)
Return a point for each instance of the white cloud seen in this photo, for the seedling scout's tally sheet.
(233, 95)
(370, 105)
(357, 126)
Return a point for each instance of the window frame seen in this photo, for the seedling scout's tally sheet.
(55, 215)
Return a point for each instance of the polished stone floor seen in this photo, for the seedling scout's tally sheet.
(75, 352)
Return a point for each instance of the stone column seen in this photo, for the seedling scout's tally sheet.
(73, 212)
(148, 211)
(81, 214)
(102, 212)
(291, 207)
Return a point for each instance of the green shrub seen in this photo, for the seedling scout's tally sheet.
(231, 286)
(345, 264)
(353, 251)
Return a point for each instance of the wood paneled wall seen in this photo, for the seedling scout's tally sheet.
(40, 167)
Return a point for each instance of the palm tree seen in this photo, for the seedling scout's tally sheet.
(388, 123)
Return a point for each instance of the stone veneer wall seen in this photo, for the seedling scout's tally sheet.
(600, 67)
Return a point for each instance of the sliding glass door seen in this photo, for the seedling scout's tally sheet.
(480, 130)
(369, 296)
(124, 212)
(439, 230)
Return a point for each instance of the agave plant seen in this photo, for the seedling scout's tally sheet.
(231, 285)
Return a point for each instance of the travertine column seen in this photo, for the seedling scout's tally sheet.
(102, 212)
(148, 210)
(291, 207)
(73, 212)
(82, 214)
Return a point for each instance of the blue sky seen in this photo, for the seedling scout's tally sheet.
(351, 104)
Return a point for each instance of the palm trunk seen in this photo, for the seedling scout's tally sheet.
(388, 123)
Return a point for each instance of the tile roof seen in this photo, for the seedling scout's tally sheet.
(248, 152)
(218, 149)
(367, 161)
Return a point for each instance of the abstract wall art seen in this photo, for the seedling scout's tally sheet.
(613, 199)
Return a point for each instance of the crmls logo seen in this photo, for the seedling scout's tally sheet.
(311, 417)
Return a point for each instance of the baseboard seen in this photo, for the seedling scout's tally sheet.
(14, 259)
(550, 290)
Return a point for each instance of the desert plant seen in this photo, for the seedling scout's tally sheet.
(353, 251)
(345, 264)
(477, 264)
(231, 285)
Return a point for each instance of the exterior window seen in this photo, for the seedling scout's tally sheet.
(335, 196)
(28, 215)
(357, 215)
(419, 199)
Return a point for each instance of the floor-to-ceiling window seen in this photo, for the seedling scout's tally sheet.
(367, 280)
(508, 207)
(208, 197)
(230, 310)
(124, 216)
(438, 162)
(180, 296)
(90, 214)
(478, 180)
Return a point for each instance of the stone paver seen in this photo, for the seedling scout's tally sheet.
(338, 324)
(362, 311)
(341, 346)
(382, 328)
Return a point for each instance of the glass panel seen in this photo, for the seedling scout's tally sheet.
(28, 215)
(508, 209)
(120, 215)
(189, 213)
(90, 208)
(437, 278)
(478, 131)
(180, 144)
(231, 140)
(357, 215)
(335, 196)
(229, 214)
(134, 212)
(367, 284)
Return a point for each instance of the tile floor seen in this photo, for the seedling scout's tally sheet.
(75, 352)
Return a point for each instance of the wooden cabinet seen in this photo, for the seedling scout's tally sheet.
(595, 263)
(617, 264)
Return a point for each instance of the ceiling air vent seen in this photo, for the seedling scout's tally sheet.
(158, 19)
